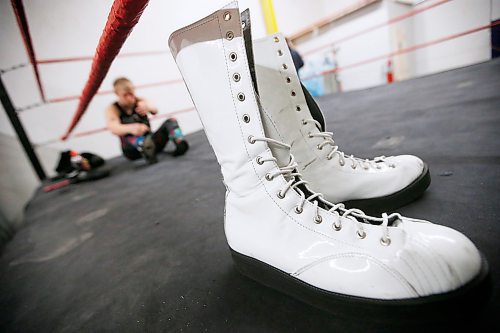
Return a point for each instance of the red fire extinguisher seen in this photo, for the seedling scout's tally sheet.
(390, 72)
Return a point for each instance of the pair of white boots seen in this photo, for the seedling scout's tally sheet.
(282, 232)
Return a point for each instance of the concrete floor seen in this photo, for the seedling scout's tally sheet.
(144, 250)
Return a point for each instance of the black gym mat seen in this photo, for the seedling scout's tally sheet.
(144, 250)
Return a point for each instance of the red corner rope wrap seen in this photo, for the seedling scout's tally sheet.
(22, 22)
(122, 18)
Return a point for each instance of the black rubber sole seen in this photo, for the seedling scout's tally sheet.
(149, 150)
(389, 203)
(181, 148)
(427, 309)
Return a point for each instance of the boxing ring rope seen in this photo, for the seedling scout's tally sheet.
(122, 18)
(22, 22)
(105, 129)
(85, 58)
(109, 92)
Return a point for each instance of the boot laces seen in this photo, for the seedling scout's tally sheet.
(355, 161)
(294, 181)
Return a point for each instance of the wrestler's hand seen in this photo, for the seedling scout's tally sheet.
(143, 107)
(138, 129)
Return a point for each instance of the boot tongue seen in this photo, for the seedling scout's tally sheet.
(281, 154)
(314, 108)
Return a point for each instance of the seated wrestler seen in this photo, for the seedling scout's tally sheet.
(128, 119)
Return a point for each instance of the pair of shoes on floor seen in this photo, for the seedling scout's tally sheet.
(292, 212)
(72, 163)
(74, 167)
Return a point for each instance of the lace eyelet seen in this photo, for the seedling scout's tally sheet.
(353, 167)
(293, 93)
(276, 39)
(243, 25)
(227, 16)
(269, 177)
(361, 235)
(241, 97)
(329, 158)
(246, 118)
(288, 80)
(319, 147)
(280, 53)
(298, 210)
(366, 168)
(236, 77)
(259, 160)
(337, 227)
(309, 135)
(379, 167)
(342, 163)
(318, 219)
(251, 139)
(233, 56)
(229, 35)
(304, 122)
(297, 108)
(280, 195)
(385, 241)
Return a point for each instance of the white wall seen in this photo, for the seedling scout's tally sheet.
(451, 18)
(447, 19)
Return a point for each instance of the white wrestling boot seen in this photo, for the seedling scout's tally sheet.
(285, 236)
(377, 185)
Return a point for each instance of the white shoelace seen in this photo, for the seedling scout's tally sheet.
(355, 161)
(294, 179)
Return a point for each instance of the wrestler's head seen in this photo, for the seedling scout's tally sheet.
(124, 90)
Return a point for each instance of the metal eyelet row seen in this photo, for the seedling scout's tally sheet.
(285, 67)
(233, 56)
